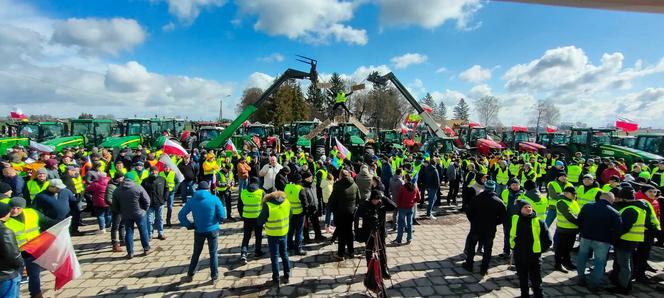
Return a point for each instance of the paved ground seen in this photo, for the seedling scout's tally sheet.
(429, 266)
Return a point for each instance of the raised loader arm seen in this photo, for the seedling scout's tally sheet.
(426, 117)
(220, 140)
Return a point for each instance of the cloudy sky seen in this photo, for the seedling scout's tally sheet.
(180, 57)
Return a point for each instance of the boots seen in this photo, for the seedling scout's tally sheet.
(117, 248)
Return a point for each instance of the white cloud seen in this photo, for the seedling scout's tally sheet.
(428, 13)
(475, 74)
(479, 91)
(260, 80)
(312, 21)
(441, 70)
(188, 10)
(646, 107)
(99, 36)
(168, 27)
(408, 59)
(274, 57)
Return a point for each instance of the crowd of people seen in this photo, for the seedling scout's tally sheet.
(294, 199)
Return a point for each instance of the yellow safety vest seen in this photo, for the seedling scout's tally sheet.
(141, 177)
(102, 165)
(78, 184)
(584, 197)
(251, 203)
(502, 176)
(113, 171)
(293, 196)
(341, 97)
(25, 231)
(278, 219)
(514, 169)
(35, 189)
(222, 184)
(607, 187)
(210, 167)
(636, 233)
(653, 216)
(539, 207)
(170, 179)
(524, 176)
(323, 175)
(558, 190)
(574, 208)
(573, 173)
(5, 200)
(537, 246)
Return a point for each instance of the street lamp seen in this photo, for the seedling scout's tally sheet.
(221, 107)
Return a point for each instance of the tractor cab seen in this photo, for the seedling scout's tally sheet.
(262, 134)
(42, 131)
(94, 130)
(519, 138)
(650, 142)
(437, 145)
(474, 137)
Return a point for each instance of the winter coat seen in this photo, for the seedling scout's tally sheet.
(108, 195)
(97, 190)
(395, 186)
(131, 199)
(10, 257)
(430, 177)
(52, 205)
(523, 248)
(309, 191)
(345, 196)
(363, 180)
(326, 187)
(206, 210)
(406, 198)
(157, 189)
(485, 212)
(281, 180)
(600, 211)
(373, 216)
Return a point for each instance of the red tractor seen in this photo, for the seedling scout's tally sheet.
(519, 139)
(474, 137)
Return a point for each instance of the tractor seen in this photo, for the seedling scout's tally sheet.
(650, 142)
(474, 137)
(520, 139)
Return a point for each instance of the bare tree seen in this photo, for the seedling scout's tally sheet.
(487, 109)
(544, 113)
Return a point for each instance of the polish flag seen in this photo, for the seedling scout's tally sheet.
(17, 114)
(54, 252)
(174, 148)
(164, 159)
(404, 129)
(230, 146)
(345, 153)
(427, 108)
(626, 125)
(551, 129)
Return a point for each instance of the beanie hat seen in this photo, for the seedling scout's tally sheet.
(626, 193)
(570, 189)
(520, 203)
(490, 185)
(529, 185)
(4, 209)
(513, 180)
(560, 163)
(296, 178)
(203, 185)
(306, 174)
(18, 202)
(4, 187)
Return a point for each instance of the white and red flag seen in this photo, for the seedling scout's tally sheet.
(17, 114)
(626, 125)
(164, 159)
(174, 148)
(54, 252)
(343, 151)
(551, 129)
(230, 146)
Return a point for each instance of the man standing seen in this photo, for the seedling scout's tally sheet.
(169, 175)
(298, 201)
(35, 186)
(485, 212)
(54, 201)
(567, 212)
(588, 191)
(10, 257)
(252, 198)
(431, 181)
(157, 189)
(269, 173)
(596, 238)
(74, 182)
(313, 209)
(454, 177)
(188, 170)
(207, 212)
(509, 197)
(242, 174)
(275, 215)
(133, 202)
(116, 217)
(345, 196)
(553, 191)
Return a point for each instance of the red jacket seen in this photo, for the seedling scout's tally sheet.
(406, 199)
(606, 174)
(97, 190)
(654, 203)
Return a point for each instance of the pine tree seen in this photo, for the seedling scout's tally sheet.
(440, 111)
(317, 102)
(428, 100)
(462, 110)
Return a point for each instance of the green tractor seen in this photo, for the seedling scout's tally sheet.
(135, 132)
(50, 133)
(389, 139)
(650, 142)
(296, 134)
(438, 145)
(94, 131)
(351, 137)
(597, 142)
(552, 139)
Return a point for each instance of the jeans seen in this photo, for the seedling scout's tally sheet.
(563, 244)
(432, 196)
(295, 230)
(278, 249)
(344, 231)
(529, 269)
(486, 242)
(550, 216)
(241, 184)
(624, 260)
(155, 220)
(250, 225)
(405, 221)
(453, 192)
(104, 217)
(142, 225)
(185, 188)
(212, 238)
(117, 228)
(328, 215)
(34, 270)
(600, 251)
(10, 288)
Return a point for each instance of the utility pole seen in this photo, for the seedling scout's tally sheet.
(221, 109)
(539, 116)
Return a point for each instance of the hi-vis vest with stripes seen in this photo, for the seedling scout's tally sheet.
(293, 196)
(636, 233)
(278, 219)
(251, 203)
(535, 226)
(573, 208)
(27, 230)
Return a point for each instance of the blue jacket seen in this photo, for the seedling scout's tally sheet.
(599, 212)
(206, 209)
(55, 208)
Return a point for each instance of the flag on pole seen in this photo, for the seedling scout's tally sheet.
(230, 146)
(427, 108)
(174, 148)
(345, 153)
(551, 129)
(166, 160)
(54, 252)
(17, 114)
(41, 147)
(626, 125)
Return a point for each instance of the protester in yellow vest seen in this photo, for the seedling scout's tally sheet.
(297, 199)
(567, 210)
(210, 166)
(169, 175)
(37, 185)
(340, 101)
(26, 223)
(553, 190)
(251, 199)
(538, 201)
(588, 192)
(275, 216)
(529, 238)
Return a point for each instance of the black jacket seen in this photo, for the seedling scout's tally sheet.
(281, 180)
(188, 171)
(373, 216)
(485, 212)
(429, 177)
(602, 212)
(10, 256)
(52, 205)
(157, 190)
(523, 248)
(345, 196)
